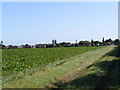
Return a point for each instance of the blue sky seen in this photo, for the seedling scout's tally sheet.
(40, 22)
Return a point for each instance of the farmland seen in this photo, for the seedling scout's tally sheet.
(19, 60)
(39, 67)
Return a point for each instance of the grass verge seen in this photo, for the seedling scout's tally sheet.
(103, 74)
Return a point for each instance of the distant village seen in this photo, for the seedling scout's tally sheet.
(106, 42)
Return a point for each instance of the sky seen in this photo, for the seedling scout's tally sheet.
(40, 22)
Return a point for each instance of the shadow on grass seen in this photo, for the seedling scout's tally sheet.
(115, 52)
(106, 76)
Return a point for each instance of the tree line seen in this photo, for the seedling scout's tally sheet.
(64, 44)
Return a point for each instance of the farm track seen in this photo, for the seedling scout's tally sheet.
(110, 79)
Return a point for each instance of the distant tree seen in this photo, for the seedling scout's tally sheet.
(109, 42)
(84, 43)
(116, 41)
(64, 44)
(1, 42)
(81, 43)
(49, 45)
(10, 46)
(26, 45)
(92, 42)
(87, 43)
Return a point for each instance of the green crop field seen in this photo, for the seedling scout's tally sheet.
(52, 67)
(19, 60)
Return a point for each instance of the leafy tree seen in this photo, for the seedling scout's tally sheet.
(1, 42)
(108, 40)
(84, 43)
(116, 41)
(65, 44)
(10, 46)
(26, 45)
